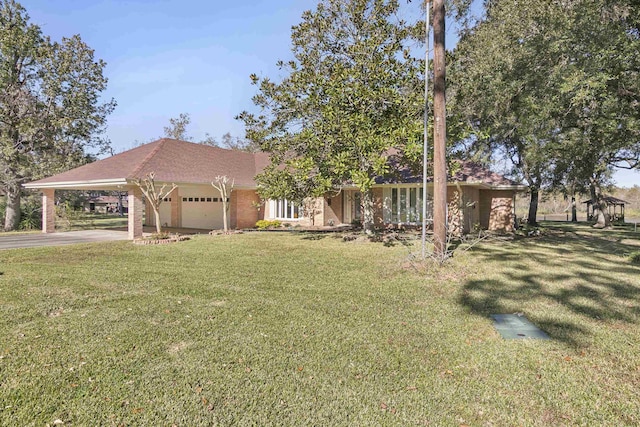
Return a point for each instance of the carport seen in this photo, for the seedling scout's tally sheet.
(134, 199)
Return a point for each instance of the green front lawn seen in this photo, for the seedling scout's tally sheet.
(302, 329)
(88, 221)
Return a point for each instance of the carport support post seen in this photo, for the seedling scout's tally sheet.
(48, 211)
(135, 213)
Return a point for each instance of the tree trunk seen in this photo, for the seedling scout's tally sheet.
(533, 206)
(439, 132)
(156, 212)
(574, 213)
(599, 206)
(225, 227)
(367, 211)
(120, 207)
(12, 210)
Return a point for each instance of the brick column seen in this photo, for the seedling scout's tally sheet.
(48, 211)
(135, 213)
(176, 208)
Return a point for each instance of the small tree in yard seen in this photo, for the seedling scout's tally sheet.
(225, 186)
(155, 197)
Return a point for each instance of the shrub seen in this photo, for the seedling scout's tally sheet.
(634, 257)
(67, 214)
(30, 212)
(159, 236)
(265, 224)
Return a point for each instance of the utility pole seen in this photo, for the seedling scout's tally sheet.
(425, 145)
(439, 132)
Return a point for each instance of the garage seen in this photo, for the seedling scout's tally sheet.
(201, 208)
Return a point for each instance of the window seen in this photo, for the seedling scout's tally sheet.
(184, 199)
(208, 199)
(283, 209)
(403, 205)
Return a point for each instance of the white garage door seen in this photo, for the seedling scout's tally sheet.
(165, 212)
(202, 211)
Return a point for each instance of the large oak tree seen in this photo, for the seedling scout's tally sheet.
(50, 107)
(553, 86)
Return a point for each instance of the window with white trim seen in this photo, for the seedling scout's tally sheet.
(284, 209)
(403, 205)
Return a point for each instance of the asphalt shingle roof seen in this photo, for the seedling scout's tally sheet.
(466, 172)
(172, 161)
(185, 162)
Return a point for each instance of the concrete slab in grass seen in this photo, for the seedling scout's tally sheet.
(517, 327)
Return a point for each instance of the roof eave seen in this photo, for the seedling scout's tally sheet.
(78, 185)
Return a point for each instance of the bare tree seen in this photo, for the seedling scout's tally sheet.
(177, 128)
(154, 196)
(224, 185)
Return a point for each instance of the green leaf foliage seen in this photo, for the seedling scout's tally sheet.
(50, 106)
(352, 92)
(553, 87)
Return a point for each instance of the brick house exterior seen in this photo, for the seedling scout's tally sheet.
(476, 196)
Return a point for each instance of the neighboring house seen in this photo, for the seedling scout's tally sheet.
(99, 203)
(477, 197)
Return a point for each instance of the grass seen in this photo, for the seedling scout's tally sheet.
(301, 329)
(87, 221)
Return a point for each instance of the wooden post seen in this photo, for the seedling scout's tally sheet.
(440, 132)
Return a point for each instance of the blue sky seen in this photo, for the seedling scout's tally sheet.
(170, 57)
(166, 57)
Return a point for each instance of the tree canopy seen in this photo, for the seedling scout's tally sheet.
(50, 107)
(553, 87)
(351, 93)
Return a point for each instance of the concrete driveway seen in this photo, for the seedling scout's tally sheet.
(14, 241)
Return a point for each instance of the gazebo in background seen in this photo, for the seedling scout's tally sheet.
(615, 208)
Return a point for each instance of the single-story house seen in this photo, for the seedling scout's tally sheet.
(477, 197)
(100, 203)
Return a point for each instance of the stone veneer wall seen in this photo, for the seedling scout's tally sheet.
(463, 209)
(496, 210)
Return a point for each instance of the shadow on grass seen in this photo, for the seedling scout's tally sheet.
(314, 236)
(563, 281)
